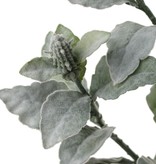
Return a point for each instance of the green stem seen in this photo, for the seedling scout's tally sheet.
(124, 146)
(81, 88)
(142, 6)
(96, 118)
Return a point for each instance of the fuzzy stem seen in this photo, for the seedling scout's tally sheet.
(124, 146)
(142, 6)
(81, 88)
(100, 122)
(98, 116)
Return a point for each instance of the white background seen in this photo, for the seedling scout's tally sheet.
(23, 27)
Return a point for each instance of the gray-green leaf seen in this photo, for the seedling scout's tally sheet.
(77, 149)
(129, 43)
(110, 161)
(68, 34)
(46, 49)
(101, 4)
(89, 43)
(144, 160)
(26, 101)
(151, 100)
(102, 85)
(63, 115)
(40, 68)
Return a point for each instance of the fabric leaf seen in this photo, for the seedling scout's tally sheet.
(89, 43)
(144, 160)
(129, 43)
(151, 100)
(102, 4)
(26, 101)
(63, 115)
(102, 85)
(40, 68)
(77, 149)
(46, 49)
(110, 161)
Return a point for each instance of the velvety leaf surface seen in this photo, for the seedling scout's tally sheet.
(144, 160)
(110, 161)
(68, 34)
(63, 115)
(129, 43)
(101, 4)
(151, 100)
(46, 49)
(71, 85)
(89, 43)
(40, 68)
(77, 149)
(26, 101)
(102, 85)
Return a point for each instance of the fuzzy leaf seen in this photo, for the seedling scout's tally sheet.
(68, 34)
(40, 68)
(101, 4)
(129, 43)
(71, 85)
(151, 100)
(102, 85)
(89, 43)
(77, 149)
(63, 115)
(110, 161)
(26, 101)
(144, 160)
(46, 49)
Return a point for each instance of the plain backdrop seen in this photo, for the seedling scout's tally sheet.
(23, 27)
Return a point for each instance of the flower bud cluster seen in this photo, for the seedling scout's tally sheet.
(62, 56)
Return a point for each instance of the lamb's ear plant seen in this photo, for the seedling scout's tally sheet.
(60, 103)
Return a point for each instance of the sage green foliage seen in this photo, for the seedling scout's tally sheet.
(144, 160)
(136, 42)
(26, 101)
(63, 115)
(89, 43)
(40, 68)
(60, 107)
(77, 149)
(102, 84)
(110, 161)
(102, 4)
(151, 100)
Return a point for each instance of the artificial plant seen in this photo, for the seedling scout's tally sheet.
(60, 103)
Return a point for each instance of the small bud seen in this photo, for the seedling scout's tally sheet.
(62, 53)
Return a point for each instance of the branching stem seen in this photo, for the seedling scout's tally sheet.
(97, 117)
(100, 122)
(142, 6)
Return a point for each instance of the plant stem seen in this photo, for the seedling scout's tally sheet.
(142, 6)
(81, 88)
(124, 146)
(100, 122)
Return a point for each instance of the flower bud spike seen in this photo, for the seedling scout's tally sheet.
(62, 51)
